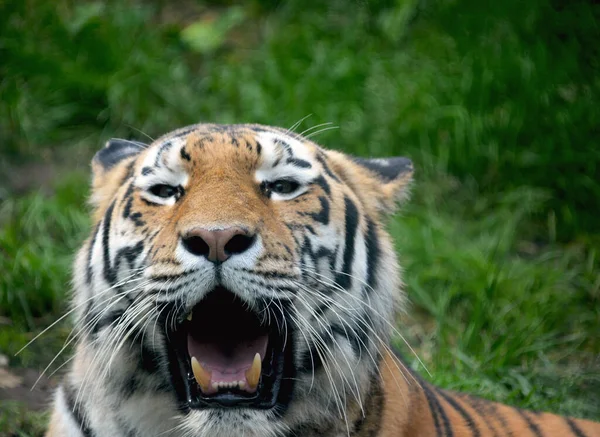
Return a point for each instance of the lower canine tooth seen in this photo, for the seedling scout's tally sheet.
(253, 373)
(202, 375)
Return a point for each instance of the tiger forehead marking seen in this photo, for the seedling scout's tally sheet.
(200, 164)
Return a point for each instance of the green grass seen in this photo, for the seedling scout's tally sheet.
(37, 240)
(17, 421)
(493, 313)
(496, 104)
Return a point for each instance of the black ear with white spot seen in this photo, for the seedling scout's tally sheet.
(116, 150)
(388, 169)
(388, 180)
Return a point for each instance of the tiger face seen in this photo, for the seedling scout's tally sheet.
(237, 281)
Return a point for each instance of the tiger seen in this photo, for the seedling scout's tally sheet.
(239, 280)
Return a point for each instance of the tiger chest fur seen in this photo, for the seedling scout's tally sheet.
(239, 281)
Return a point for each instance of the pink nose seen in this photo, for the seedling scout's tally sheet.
(217, 246)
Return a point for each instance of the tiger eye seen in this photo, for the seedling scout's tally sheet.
(284, 186)
(164, 191)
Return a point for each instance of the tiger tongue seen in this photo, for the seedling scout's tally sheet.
(231, 366)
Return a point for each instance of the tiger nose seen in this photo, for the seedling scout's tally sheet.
(217, 246)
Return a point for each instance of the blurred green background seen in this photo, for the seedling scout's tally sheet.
(495, 102)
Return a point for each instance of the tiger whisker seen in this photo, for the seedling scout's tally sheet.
(403, 370)
(312, 134)
(381, 341)
(298, 123)
(68, 341)
(62, 318)
(306, 131)
(320, 339)
(376, 312)
(320, 349)
(401, 367)
(105, 344)
(140, 131)
(357, 393)
(72, 337)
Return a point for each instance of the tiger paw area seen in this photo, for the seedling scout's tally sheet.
(495, 102)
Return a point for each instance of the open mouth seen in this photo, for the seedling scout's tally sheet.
(225, 355)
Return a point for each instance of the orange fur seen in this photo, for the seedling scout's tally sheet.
(408, 413)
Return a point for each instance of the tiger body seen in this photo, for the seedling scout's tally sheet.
(277, 248)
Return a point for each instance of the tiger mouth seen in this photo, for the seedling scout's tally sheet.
(225, 355)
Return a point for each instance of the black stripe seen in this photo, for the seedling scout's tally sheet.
(299, 163)
(311, 359)
(532, 426)
(574, 428)
(163, 148)
(129, 172)
(109, 274)
(184, 154)
(286, 147)
(491, 410)
(323, 162)
(171, 277)
(89, 271)
(436, 409)
(128, 200)
(358, 338)
(148, 360)
(258, 148)
(106, 320)
(434, 413)
(351, 220)
(136, 217)
(468, 419)
(479, 406)
(304, 430)
(373, 412)
(77, 413)
(127, 208)
(130, 253)
(373, 253)
(321, 182)
(323, 215)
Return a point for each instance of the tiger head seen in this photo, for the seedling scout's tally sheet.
(238, 279)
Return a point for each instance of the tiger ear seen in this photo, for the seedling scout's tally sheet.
(115, 151)
(389, 170)
(380, 182)
(393, 177)
(110, 167)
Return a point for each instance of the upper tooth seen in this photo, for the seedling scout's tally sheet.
(189, 317)
(202, 375)
(253, 373)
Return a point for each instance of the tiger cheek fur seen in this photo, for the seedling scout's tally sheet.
(239, 281)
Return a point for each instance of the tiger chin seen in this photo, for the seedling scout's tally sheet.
(239, 281)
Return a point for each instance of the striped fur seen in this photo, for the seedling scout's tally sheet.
(323, 267)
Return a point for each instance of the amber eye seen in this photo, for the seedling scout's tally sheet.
(283, 186)
(165, 191)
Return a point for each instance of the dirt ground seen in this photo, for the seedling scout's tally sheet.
(20, 385)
